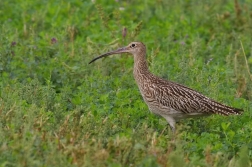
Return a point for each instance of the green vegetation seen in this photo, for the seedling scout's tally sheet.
(57, 110)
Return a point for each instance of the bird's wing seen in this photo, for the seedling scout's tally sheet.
(187, 100)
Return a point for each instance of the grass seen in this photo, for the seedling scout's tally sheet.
(56, 110)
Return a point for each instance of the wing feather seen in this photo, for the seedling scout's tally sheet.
(186, 100)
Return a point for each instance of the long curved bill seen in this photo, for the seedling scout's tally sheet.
(118, 51)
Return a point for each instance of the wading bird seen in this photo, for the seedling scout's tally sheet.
(168, 99)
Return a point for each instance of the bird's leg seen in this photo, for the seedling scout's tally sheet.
(173, 129)
(171, 122)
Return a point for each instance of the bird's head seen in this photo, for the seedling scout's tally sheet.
(134, 48)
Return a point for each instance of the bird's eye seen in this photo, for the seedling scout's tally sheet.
(133, 45)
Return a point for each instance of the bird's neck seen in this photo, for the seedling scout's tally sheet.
(141, 70)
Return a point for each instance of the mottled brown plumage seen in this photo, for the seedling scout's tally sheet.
(168, 99)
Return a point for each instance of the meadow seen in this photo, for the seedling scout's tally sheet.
(58, 110)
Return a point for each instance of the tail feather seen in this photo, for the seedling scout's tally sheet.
(222, 109)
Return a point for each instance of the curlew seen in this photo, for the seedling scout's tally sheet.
(168, 99)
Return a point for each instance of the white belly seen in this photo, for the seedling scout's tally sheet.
(175, 114)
